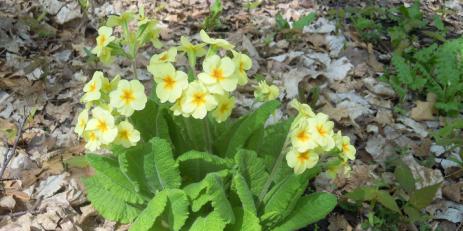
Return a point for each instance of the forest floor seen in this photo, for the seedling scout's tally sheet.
(43, 69)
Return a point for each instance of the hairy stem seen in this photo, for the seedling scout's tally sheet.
(207, 135)
(275, 168)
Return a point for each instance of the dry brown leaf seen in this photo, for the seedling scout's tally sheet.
(422, 111)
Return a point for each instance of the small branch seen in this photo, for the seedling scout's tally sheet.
(7, 155)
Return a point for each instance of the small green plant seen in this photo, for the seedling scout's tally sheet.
(436, 69)
(298, 25)
(391, 211)
(404, 24)
(178, 162)
(212, 21)
(450, 136)
(251, 5)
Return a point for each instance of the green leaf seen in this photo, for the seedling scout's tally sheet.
(108, 203)
(365, 193)
(424, 196)
(143, 120)
(387, 200)
(148, 217)
(212, 222)
(252, 168)
(196, 165)
(281, 23)
(246, 220)
(304, 21)
(309, 209)
(404, 176)
(281, 198)
(244, 193)
(131, 164)
(250, 123)
(219, 199)
(160, 166)
(112, 179)
(177, 209)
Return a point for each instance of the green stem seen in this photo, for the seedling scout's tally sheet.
(189, 132)
(134, 68)
(275, 168)
(207, 135)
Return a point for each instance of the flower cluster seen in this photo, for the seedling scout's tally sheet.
(107, 45)
(311, 136)
(110, 104)
(265, 92)
(210, 90)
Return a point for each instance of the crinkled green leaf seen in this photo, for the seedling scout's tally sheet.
(111, 178)
(147, 218)
(309, 209)
(108, 202)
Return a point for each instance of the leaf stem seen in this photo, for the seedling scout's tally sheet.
(207, 135)
(272, 175)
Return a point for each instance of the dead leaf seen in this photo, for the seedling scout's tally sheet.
(424, 109)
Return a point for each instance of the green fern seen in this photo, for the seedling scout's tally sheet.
(435, 69)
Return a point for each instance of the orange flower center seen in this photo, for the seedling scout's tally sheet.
(124, 134)
(223, 108)
(304, 156)
(127, 96)
(321, 130)
(303, 136)
(217, 74)
(102, 126)
(164, 57)
(169, 82)
(345, 147)
(92, 87)
(199, 98)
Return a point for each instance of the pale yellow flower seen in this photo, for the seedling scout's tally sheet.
(221, 43)
(343, 144)
(127, 135)
(198, 100)
(109, 86)
(303, 109)
(265, 92)
(342, 168)
(187, 47)
(225, 105)
(218, 74)
(102, 123)
(300, 161)
(176, 108)
(304, 112)
(128, 97)
(165, 57)
(242, 63)
(92, 88)
(92, 140)
(169, 83)
(322, 130)
(82, 120)
(302, 137)
(103, 39)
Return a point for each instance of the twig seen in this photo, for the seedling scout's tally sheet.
(7, 155)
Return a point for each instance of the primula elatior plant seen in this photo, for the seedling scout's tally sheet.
(178, 162)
